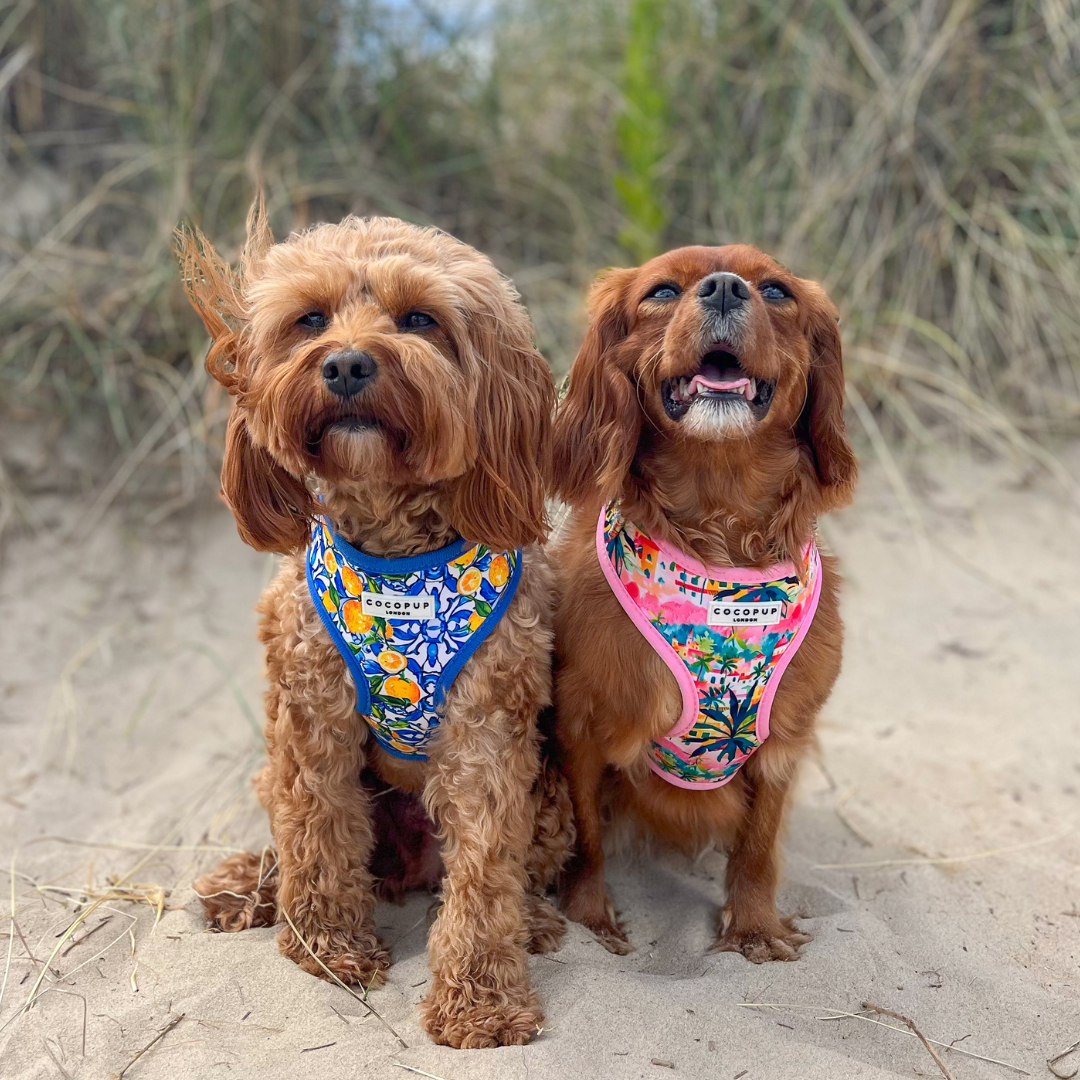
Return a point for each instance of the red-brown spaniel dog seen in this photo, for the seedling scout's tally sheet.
(698, 632)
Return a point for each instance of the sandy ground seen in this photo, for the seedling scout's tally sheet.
(933, 851)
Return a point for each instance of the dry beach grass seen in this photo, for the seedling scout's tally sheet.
(919, 156)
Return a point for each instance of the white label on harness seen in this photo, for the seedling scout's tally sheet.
(397, 606)
(745, 612)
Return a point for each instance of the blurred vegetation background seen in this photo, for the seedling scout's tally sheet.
(920, 157)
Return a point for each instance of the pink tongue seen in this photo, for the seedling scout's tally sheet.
(717, 384)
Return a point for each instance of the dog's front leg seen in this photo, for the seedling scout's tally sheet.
(479, 793)
(322, 829)
(583, 891)
(750, 923)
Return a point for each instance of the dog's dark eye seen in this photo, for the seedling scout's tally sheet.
(774, 291)
(667, 291)
(417, 320)
(313, 320)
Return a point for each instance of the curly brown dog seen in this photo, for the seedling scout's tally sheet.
(389, 403)
(705, 413)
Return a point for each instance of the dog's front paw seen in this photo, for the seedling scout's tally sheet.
(546, 926)
(240, 892)
(611, 934)
(357, 960)
(590, 905)
(779, 941)
(469, 1016)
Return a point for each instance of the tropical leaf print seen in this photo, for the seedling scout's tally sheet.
(706, 654)
(729, 730)
(730, 666)
(686, 770)
(757, 594)
(616, 549)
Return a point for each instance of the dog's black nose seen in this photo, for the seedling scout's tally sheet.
(347, 373)
(723, 292)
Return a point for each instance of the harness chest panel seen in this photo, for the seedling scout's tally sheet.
(406, 627)
(727, 634)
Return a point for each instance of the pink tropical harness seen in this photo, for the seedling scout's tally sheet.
(727, 634)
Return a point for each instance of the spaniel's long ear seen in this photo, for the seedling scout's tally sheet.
(273, 509)
(598, 424)
(500, 499)
(821, 425)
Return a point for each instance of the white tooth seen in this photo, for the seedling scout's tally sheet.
(751, 390)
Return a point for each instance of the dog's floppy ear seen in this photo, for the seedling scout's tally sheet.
(273, 509)
(821, 423)
(500, 499)
(216, 293)
(599, 421)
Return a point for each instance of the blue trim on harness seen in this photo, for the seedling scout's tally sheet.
(405, 565)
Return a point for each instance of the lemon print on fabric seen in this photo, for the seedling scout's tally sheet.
(351, 581)
(469, 582)
(354, 617)
(391, 660)
(499, 571)
(403, 664)
(466, 559)
(397, 687)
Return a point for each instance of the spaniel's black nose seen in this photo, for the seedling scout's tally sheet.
(347, 373)
(723, 292)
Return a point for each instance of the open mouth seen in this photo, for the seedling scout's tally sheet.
(720, 378)
(343, 425)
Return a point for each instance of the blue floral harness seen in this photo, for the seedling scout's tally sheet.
(406, 627)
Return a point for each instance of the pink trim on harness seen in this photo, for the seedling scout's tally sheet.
(727, 635)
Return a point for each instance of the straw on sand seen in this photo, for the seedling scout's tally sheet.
(909, 1029)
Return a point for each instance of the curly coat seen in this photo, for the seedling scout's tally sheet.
(451, 437)
(733, 484)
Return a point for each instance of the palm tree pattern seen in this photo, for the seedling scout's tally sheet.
(731, 666)
(403, 667)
